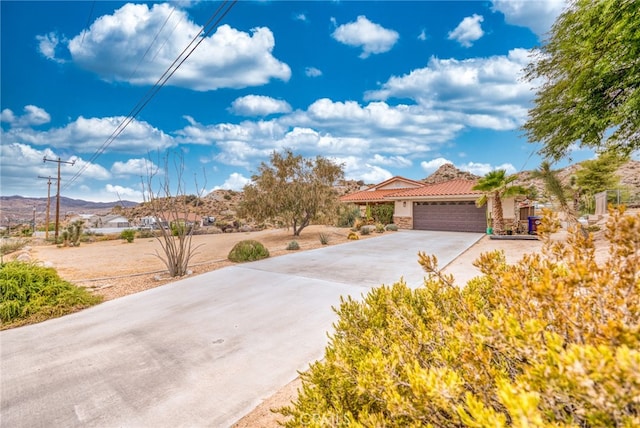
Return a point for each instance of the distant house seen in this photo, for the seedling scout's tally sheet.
(165, 219)
(447, 206)
(116, 221)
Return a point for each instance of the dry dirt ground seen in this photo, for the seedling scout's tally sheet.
(116, 268)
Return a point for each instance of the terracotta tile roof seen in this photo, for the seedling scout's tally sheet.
(376, 193)
(453, 188)
(368, 195)
(446, 188)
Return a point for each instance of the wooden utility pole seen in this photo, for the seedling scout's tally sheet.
(46, 233)
(58, 161)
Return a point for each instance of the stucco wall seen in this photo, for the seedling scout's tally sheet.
(508, 208)
(403, 209)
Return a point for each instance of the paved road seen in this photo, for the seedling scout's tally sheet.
(202, 351)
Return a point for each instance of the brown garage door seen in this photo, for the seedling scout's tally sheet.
(451, 216)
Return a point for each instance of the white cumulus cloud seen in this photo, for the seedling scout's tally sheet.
(33, 115)
(134, 45)
(259, 105)
(140, 166)
(468, 31)
(312, 72)
(537, 15)
(479, 92)
(88, 135)
(432, 165)
(235, 181)
(122, 193)
(483, 168)
(371, 37)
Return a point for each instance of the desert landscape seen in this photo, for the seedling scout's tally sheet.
(116, 268)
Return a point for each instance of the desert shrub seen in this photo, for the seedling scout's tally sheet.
(247, 251)
(128, 235)
(180, 228)
(392, 227)
(379, 228)
(324, 238)
(31, 293)
(293, 245)
(347, 215)
(382, 213)
(365, 230)
(551, 341)
(353, 236)
(146, 233)
(9, 246)
(72, 234)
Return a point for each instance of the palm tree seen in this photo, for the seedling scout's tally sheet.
(560, 192)
(497, 185)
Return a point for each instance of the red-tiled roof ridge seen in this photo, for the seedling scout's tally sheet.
(396, 178)
(456, 187)
(374, 193)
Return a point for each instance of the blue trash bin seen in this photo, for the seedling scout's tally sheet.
(534, 221)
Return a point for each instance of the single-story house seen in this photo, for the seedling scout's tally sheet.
(446, 206)
(116, 221)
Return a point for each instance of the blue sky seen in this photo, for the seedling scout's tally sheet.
(385, 88)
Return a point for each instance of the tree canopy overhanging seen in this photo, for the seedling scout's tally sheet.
(590, 73)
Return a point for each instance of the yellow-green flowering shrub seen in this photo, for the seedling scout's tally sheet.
(552, 341)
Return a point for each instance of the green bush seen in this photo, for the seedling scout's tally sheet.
(128, 235)
(365, 230)
(552, 341)
(347, 215)
(293, 245)
(31, 293)
(379, 228)
(392, 227)
(248, 251)
(382, 213)
(324, 238)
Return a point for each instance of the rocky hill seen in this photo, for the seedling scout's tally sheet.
(629, 174)
(448, 172)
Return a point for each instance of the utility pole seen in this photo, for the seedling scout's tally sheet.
(46, 233)
(58, 161)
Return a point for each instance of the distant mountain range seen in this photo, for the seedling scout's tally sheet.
(19, 209)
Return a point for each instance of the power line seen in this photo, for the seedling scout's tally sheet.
(151, 44)
(206, 30)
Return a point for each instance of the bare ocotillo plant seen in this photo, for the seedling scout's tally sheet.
(173, 212)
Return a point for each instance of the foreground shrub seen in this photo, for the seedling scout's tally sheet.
(128, 235)
(30, 293)
(552, 341)
(353, 236)
(248, 251)
(324, 238)
(392, 227)
(293, 245)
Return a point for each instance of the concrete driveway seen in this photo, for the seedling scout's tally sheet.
(203, 351)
